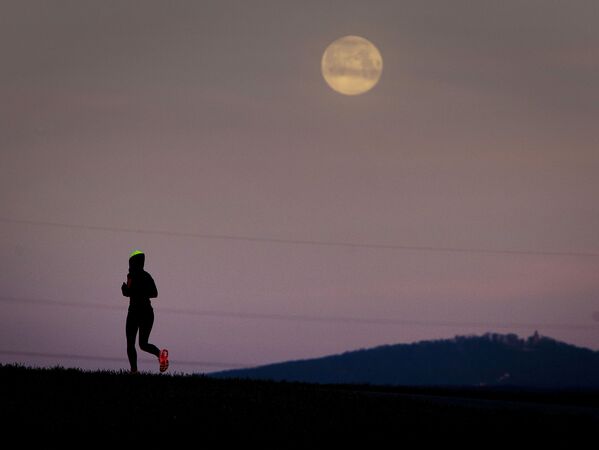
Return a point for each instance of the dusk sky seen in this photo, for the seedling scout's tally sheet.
(281, 219)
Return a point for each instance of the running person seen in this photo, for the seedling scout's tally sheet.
(140, 288)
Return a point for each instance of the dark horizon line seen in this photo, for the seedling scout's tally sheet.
(115, 359)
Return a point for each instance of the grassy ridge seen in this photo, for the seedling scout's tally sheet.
(66, 403)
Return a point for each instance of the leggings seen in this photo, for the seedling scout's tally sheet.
(141, 320)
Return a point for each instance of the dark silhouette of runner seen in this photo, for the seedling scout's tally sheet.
(140, 288)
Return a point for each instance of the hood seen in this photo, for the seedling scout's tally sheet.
(136, 262)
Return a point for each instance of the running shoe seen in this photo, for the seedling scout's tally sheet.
(163, 358)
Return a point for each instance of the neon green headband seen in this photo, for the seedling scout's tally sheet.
(136, 252)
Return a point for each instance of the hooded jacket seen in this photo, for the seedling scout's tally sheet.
(140, 287)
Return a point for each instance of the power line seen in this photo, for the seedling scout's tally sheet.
(307, 318)
(304, 242)
(113, 359)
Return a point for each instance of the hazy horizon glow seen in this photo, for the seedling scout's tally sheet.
(212, 122)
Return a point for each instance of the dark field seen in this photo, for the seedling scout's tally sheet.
(60, 406)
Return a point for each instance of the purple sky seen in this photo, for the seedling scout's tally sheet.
(212, 118)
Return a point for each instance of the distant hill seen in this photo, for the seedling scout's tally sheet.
(489, 360)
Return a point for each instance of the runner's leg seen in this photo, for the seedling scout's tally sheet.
(131, 332)
(145, 327)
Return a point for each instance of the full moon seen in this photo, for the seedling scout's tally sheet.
(352, 65)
